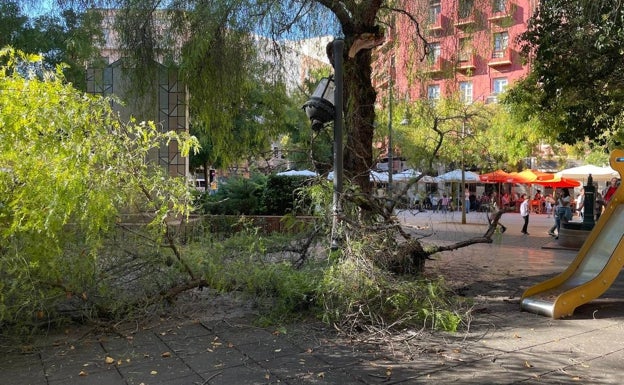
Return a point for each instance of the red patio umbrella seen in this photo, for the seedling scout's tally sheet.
(556, 182)
(498, 176)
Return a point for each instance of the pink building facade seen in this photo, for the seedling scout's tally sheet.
(471, 50)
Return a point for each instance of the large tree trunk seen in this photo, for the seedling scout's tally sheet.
(360, 99)
(359, 24)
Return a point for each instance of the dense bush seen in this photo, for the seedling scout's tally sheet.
(285, 194)
(259, 195)
(236, 196)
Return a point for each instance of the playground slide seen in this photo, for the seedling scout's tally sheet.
(595, 267)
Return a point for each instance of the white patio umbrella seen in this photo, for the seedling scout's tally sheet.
(379, 176)
(375, 176)
(456, 176)
(411, 173)
(297, 173)
(580, 173)
(382, 176)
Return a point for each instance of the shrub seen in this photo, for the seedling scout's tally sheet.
(236, 196)
(285, 194)
(356, 295)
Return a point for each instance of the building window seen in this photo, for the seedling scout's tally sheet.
(465, 8)
(501, 42)
(433, 92)
(434, 13)
(465, 92)
(465, 49)
(499, 85)
(499, 6)
(434, 53)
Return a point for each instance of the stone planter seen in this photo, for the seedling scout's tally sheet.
(572, 235)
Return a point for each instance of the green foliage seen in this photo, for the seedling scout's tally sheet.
(355, 294)
(346, 292)
(244, 263)
(236, 96)
(282, 194)
(577, 76)
(507, 140)
(72, 38)
(485, 136)
(260, 195)
(237, 196)
(70, 169)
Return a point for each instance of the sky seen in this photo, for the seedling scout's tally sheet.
(34, 8)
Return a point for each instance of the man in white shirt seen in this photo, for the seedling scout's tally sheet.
(524, 212)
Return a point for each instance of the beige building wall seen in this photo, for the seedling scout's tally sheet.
(163, 102)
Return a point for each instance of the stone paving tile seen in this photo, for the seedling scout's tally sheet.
(68, 361)
(183, 330)
(341, 356)
(190, 346)
(157, 370)
(269, 349)
(296, 366)
(248, 374)
(22, 369)
(217, 359)
(604, 369)
(239, 334)
(100, 377)
(330, 376)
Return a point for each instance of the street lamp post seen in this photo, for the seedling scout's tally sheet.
(338, 148)
(325, 105)
(390, 150)
(463, 173)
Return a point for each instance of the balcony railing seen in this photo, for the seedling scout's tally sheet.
(501, 57)
(465, 21)
(502, 14)
(436, 65)
(436, 24)
(467, 62)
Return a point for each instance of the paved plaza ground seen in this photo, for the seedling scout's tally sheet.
(500, 344)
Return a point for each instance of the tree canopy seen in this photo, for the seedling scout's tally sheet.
(217, 48)
(576, 85)
(68, 37)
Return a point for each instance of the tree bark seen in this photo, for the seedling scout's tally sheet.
(360, 97)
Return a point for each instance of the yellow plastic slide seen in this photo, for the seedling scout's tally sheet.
(595, 267)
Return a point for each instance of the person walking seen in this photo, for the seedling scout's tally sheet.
(563, 212)
(599, 205)
(580, 203)
(444, 203)
(608, 193)
(555, 211)
(548, 202)
(524, 212)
